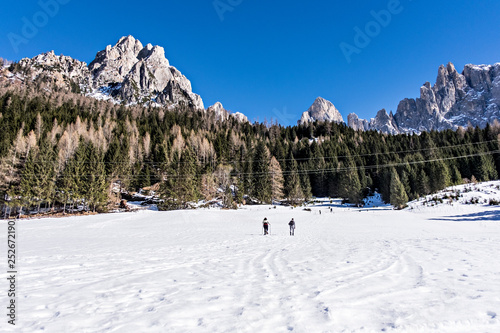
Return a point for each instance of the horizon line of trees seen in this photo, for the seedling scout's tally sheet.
(59, 151)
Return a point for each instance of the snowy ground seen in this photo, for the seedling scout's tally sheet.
(431, 269)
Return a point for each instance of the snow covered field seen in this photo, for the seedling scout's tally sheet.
(431, 269)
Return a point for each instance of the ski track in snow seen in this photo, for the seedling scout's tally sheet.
(212, 271)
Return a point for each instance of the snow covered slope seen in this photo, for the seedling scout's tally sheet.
(370, 270)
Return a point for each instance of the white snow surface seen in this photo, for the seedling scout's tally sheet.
(434, 269)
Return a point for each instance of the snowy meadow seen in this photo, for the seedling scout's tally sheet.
(429, 268)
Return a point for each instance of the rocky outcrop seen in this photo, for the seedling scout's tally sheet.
(140, 75)
(112, 64)
(321, 110)
(357, 124)
(218, 110)
(240, 117)
(383, 122)
(50, 72)
(222, 114)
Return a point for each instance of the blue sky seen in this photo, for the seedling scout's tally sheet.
(271, 59)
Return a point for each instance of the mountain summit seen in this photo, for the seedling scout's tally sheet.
(127, 72)
(136, 74)
(321, 110)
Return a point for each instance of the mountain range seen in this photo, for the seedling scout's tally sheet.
(133, 74)
(127, 72)
(470, 98)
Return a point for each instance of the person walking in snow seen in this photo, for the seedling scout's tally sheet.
(292, 227)
(265, 225)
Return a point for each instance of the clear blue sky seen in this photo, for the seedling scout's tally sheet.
(271, 59)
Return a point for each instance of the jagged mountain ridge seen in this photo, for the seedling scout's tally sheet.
(470, 98)
(126, 73)
(131, 73)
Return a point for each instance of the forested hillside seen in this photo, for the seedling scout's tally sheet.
(60, 150)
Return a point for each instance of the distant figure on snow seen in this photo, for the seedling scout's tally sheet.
(292, 227)
(265, 225)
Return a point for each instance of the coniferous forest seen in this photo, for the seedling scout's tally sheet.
(59, 151)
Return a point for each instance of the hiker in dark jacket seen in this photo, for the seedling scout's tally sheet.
(292, 227)
(265, 225)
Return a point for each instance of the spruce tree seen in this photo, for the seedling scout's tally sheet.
(423, 185)
(95, 183)
(292, 189)
(439, 176)
(45, 172)
(170, 187)
(305, 182)
(399, 198)
(349, 184)
(28, 181)
(181, 184)
(261, 180)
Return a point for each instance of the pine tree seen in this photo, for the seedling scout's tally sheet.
(484, 168)
(238, 196)
(45, 173)
(169, 188)
(423, 186)
(349, 184)
(95, 184)
(181, 185)
(439, 176)
(305, 182)
(399, 198)
(228, 197)
(188, 176)
(317, 165)
(293, 190)
(261, 180)
(28, 181)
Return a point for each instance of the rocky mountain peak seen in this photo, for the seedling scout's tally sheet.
(219, 111)
(137, 74)
(321, 110)
(456, 99)
(127, 72)
(223, 114)
(112, 64)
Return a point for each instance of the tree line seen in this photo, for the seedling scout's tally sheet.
(60, 151)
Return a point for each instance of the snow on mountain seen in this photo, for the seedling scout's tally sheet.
(321, 110)
(383, 122)
(469, 98)
(141, 75)
(222, 114)
(126, 72)
(50, 71)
